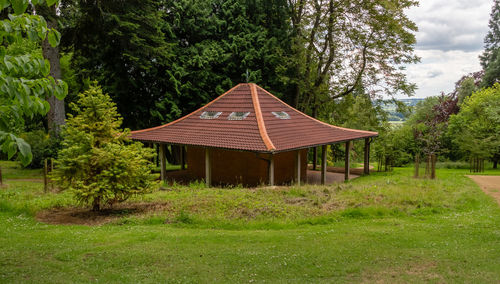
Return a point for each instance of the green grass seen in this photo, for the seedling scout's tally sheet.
(387, 227)
(13, 170)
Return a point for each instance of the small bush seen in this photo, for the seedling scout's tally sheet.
(184, 218)
(43, 146)
(452, 165)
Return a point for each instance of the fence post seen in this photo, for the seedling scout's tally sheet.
(433, 166)
(51, 170)
(45, 181)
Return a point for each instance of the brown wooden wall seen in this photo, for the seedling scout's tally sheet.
(246, 168)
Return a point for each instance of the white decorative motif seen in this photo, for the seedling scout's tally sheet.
(210, 114)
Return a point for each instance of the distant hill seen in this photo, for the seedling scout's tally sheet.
(394, 115)
(411, 102)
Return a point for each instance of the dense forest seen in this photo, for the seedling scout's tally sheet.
(160, 59)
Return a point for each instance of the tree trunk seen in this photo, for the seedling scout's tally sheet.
(296, 96)
(96, 206)
(428, 166)
(417, 165)
(495, 164)
(433, 166)
(56, 115)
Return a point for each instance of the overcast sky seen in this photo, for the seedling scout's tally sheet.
(449, 41)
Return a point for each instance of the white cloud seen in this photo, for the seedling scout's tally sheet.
(439, 70)
(449, 41)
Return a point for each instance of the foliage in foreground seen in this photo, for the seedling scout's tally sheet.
(43, 146)
(24, 80)
(97, 162)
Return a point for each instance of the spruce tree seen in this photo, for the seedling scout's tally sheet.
(98, 162)
(490, 61)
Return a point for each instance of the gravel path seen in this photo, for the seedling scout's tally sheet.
(489, 184)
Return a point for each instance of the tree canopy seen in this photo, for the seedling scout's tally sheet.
(161, 59)
(342, 45)
(476, 128)
(490, 59)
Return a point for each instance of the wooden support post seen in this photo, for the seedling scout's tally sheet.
(315, 157)
(347, 160)
(208, 168)
(163, 169)
(271, 170)
(323, 164)
(155, 158)
(366, 166)
(183, 158)
(45, 178)
(298, 167)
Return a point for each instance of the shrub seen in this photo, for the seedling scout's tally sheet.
(452, 165)
(43, 146)
(98, 162)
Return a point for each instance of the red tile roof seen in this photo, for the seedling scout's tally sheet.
(260, 131)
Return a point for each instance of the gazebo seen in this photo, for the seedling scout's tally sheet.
(248, 136)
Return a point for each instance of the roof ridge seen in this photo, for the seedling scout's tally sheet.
(188, 115)
(260, 120)
(317, 120)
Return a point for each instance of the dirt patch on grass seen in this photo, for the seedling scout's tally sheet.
(489, 184)
(83, 216)
(420, 272)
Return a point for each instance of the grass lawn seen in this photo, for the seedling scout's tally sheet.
(387, 228)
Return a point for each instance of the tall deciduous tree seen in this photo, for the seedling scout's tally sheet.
(24, 80)
(476, 128)
(56, 115)
(340, 45)
(467, 85)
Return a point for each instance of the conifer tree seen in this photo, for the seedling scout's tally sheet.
(98, 162)
(490, 59)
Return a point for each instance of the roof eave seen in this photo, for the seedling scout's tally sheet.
(274, 151)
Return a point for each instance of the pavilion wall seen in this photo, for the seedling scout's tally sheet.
(246, 168)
